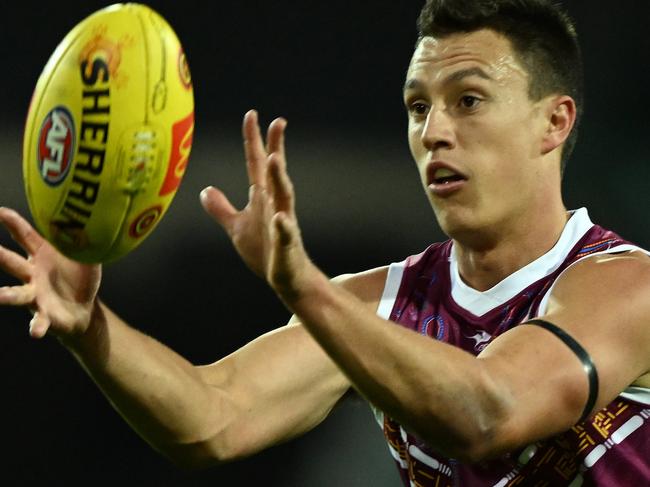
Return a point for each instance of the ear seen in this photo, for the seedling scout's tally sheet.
(560, 117)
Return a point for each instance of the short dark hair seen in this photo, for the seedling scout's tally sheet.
(542, 35)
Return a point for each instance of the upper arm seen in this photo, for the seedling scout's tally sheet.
(281, 384)
(604, 304)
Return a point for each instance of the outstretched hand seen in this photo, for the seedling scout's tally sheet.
(58, 291)
(265, 232)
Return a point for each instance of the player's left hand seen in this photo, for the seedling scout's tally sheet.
(266, 233)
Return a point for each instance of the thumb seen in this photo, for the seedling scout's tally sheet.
(217, 205)
(39, 325)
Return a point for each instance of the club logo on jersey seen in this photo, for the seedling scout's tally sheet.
(434, 326)
(184, 70)
(56, 144)
(182, 134)
(145, 221)
(481, 339)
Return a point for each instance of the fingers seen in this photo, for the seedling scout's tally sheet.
(289, 257)
(280, 185)
(256, 153)
(254, 149)
(21, 231)
(15, 264)
(275, 137)
(16, 295)
(216, 205)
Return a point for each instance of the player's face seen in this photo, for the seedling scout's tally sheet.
(473, 131)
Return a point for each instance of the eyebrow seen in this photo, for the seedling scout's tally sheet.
(414, 84)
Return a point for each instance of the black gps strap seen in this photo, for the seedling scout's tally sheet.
(587, 363)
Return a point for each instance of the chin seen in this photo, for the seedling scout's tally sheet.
(453, 220)
(464, 224)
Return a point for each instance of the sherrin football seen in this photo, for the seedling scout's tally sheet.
(108, 133)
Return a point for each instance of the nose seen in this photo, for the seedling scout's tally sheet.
(438, 131)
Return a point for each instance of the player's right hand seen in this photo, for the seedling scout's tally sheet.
(60, 292)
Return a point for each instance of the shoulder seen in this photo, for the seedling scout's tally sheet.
(613, 286)
(374, 280)
(603, 302)
(609, 276)
(367, 286)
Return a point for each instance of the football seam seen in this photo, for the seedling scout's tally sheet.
(123, 229)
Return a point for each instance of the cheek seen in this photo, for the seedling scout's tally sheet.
(415, 141)
(506, 142)
(500, 159)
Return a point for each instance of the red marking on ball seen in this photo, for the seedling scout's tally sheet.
(182, 135)
(184, 70)
(145, 221)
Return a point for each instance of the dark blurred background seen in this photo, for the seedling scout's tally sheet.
(335, 70)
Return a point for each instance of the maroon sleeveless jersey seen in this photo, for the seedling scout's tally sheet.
(426, 294)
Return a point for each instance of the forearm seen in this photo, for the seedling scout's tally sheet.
(438, 391)
(159, 393)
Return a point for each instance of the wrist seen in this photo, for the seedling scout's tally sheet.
(88, 340)
(310, 293)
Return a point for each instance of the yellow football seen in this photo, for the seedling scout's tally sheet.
(108, 133)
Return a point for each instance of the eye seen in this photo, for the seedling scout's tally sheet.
(469, 101)
(418, 108)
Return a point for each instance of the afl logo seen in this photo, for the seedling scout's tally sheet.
(145, 222)
(56, 144)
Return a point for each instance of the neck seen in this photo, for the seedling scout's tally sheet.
(523, 240)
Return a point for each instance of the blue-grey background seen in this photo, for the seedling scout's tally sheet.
(335, 70)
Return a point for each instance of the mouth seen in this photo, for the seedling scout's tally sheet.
(446, 176)
(444, 179)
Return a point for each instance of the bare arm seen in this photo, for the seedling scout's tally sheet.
(273, 389)
(467, 407)
(276, 387)
(527, 385)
